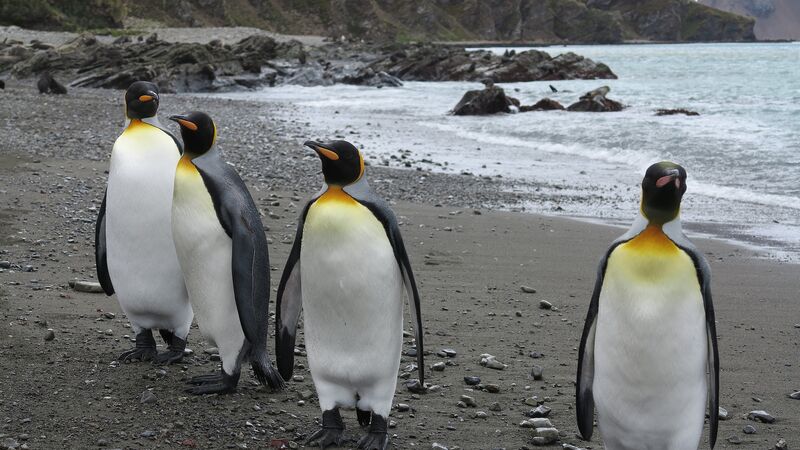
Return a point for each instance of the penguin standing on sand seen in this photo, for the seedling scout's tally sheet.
(648, 355)
(348, 270)
(222, 250)
(133, 238)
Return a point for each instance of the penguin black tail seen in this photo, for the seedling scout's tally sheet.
(265, 371)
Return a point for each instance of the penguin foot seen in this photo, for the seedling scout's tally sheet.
(332, 431)
(214, 384)
(205, 379)
(378, 436)
(145, 349)
(174, 353)
(364, 417)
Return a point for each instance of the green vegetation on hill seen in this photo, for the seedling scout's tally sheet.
(595, 21)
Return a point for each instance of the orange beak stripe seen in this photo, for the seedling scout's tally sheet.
(145, 98)
(187, 124)
(330, 154)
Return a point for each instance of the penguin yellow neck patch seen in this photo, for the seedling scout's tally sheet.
(652, 239)
(335, 194)
(186, 166)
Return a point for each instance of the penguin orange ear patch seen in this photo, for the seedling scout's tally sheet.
(186, 124)
(330, 154)
(145, 98)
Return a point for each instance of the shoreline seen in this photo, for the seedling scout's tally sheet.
(470, 261)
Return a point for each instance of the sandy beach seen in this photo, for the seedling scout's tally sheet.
(470, 259)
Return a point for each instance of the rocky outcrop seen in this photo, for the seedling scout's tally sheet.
(596, 101)
(491, 100)
(585, 21)
(259, 61)
(440, 63)
(775, 19)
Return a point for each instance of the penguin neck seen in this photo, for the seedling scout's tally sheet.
(148, 120)
(335, 193)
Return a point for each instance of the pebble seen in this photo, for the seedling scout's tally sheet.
(544, 304)
(305, 394)
(469, 401)
(734, 439)
(438, 367)
(535, 355)
(781, 445)
(438, 446)
(722, 414)
(545, 436)
(109, 315)
(413, 385)
(150, 434)
(472, 381)
(537, 372)
(49, 335)
(10, 443)
(5, 264)
(539, 411)
(109, 332)
(148, 397)
(539, 422)
(87, 286)
(491, 362)
(761, 416)
(449, 352)
(403, 407)
(749, 429)
(532, 401)
(795, 395)
(570, 447)
(527, 289)
(495, 406)
(298, 378)
(211, 351)
(492, 388)
(481, 415)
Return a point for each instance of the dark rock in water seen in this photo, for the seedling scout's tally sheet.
(553, 88)
(48, 85)
(368, 77)
(491, 100)
(596, 101)
(672, 112)
(544, 104)
(2, 84)
(761, 416)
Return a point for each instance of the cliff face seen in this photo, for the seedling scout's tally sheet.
(591, 21)
(775, 19)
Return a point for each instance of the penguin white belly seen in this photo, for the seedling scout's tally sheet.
(650, 352)
(352, 305)
(141, 256)
(205, 255)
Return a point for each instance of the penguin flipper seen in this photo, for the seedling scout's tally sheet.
(239, 217)
(101, 251)
(362, 193)
(704, 278)
(584, 397)
(289, 304)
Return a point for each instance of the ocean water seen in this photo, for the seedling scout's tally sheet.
(742, 154)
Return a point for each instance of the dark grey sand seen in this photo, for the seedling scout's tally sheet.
(68, 393)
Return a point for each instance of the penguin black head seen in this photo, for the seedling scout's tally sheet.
(141, 100)
(662, 190)
(197, 130)
(342, 163)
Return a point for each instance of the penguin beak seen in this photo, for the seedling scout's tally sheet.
(150, 96)
(184, 122)
(322, 151)
(666, 179)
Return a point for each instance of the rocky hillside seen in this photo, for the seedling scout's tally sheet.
(775, 19)
(590, 21)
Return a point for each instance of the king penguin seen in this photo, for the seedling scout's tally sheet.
(134, 252)
(348, 271)
(648, 355)
(222, 250)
